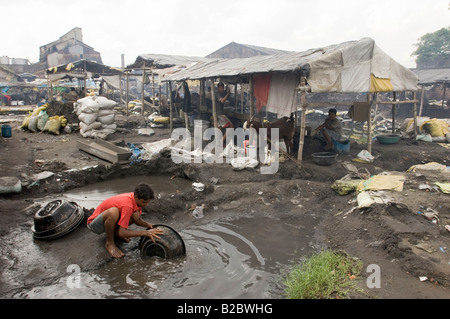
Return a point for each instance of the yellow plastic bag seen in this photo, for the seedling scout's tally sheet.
(382, 182)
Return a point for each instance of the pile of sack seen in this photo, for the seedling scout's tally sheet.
(39, 121)
(97, 116)
(429, 129)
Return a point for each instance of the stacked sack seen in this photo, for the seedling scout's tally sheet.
(97, 116)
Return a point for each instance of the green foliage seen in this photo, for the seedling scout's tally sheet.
(324, 275)
(433, 45)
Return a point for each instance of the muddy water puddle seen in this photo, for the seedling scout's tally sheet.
(91, 195)
(234, 257)
(243, 258)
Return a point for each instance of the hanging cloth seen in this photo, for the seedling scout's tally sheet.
(261, 87)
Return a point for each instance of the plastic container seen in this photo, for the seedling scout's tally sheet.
(324, 158)
(6, 130)
(388, 138)
(342, 147)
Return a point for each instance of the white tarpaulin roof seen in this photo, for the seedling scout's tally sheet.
(349, 67)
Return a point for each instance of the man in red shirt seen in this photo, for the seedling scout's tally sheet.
(115, 214)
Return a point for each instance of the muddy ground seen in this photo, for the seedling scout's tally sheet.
(393, 236)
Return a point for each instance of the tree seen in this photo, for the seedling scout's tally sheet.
(433, 46)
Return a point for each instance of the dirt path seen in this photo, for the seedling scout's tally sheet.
(393, 236)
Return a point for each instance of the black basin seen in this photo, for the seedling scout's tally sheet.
(169, 245)
(56, 219)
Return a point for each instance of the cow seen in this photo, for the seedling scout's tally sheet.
(286, 128)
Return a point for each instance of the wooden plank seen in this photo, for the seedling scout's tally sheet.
(105, 150)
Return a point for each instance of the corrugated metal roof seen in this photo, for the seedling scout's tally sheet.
(429, 76)
(163, 61)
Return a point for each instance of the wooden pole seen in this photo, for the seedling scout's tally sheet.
(443, 96)
(120, 89)
(235, 98)
(421, 101)
(213, 97)
(369, 122)
(126, 92)
(202, 94)
(302, 89)
(415, 114)
(242, 100)
(394, 106)
(186, 119)
(252, 100)
(170, 106)
(143, 90)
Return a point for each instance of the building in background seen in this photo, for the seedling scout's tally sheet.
(68, 48)
(235, 50)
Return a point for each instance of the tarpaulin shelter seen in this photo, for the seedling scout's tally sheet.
(431, 77)
(349, 67)
(161, 65)
(83, 70)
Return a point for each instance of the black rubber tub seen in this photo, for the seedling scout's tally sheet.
(168, 245)
(57, 218)
(324, 158)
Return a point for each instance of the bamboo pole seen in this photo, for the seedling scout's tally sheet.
(126, 92)
(443, 95)
(213, 98)
(242, 100)
(415, 114)
(120, 89)
(170, 107)
(393, 113)
(304, 105)
(252, 100)
(369, 122)
(143, 90)
(235, 98)
(186, 119)
(421, 101)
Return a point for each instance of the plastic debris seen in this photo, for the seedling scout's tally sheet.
(199, 187)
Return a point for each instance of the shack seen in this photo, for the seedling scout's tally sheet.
(83, 70)
(349, 67)
(155, 68)
(435, 82)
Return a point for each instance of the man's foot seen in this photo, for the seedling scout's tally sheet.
(114, 251)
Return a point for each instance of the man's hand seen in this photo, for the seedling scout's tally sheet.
(153, 233)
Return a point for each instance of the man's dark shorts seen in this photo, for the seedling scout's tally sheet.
(97, 226)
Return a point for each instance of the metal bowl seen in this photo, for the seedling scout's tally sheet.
(324, 158)
(388, 138)
(56, 219)
(168, 245)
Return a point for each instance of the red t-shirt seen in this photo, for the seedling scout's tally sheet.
(124, 202)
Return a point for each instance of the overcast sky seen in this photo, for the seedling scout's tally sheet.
(200, 27)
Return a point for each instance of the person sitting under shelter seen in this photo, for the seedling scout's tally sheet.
(330, 130)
